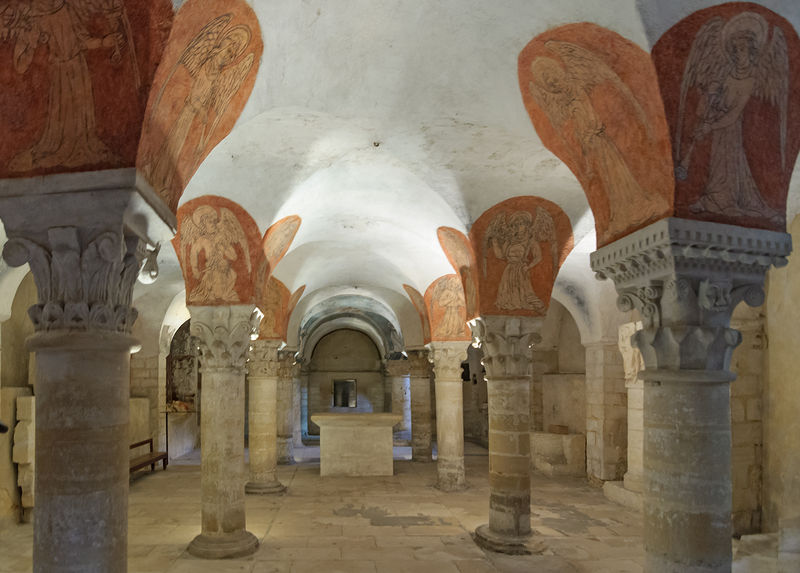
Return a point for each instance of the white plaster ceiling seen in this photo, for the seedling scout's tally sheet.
(378, 121)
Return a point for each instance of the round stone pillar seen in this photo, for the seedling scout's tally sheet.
(262, 379)
(685, 278)
(506, 344)
(446, 358)
(82, 451)
(224, 336)
(286, 374)
(85, 258)
(421, 421)
(397, 375)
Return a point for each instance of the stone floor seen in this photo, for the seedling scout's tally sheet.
(378, 525)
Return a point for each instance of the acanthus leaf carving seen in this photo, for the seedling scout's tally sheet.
(446, 358)
(81, 285)
(263, 358)
(223, 334)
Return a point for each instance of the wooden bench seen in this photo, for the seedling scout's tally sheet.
(148, 459)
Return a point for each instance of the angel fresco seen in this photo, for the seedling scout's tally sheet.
(564, 94)
(448, 295)
(70, 136)
(515, 239)
(214, 61)
(216, 234)
(729, 63)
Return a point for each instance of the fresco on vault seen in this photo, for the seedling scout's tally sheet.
(447, 309)
(732, 105)
(278, 239)
(273, 304)
(201, 87)
(218, 248)
(75, 75)
(277, 305)
(458, 249)
(594, 101)
(521, 244)
(419, 303)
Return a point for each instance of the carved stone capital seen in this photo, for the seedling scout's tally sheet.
(84, 280)
(685, 278)
(85, 237)
(419, 365)
(263, 358)
(397, 367)
(506, 342)
(223, 333)
(446, 358)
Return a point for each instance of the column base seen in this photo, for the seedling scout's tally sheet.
(451, 485)
(485, 538)
(262, 488)
(223, 546)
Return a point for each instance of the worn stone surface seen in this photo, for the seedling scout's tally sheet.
(685, 279)
(262, 380)
(223, 334)
(421, 412)
(446, 358)
(356, 444)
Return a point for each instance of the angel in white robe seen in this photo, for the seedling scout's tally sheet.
(563, 92)
(729, 63)
(516, 241)
(211, 60)
(69, 138)
(216, 234)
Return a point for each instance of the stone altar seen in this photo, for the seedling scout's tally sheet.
(356, 444)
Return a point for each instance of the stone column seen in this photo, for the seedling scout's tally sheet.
(633, 364)
(84, 237)
(420, 385)
(446, 358)
(606, 412)
(685, 277)
(223, 333)
(262, 378)
(397, 374)
(506, 343)
(285, 407)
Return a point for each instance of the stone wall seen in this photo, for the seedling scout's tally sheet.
(746, 420)
(781, 405)
(606, 413)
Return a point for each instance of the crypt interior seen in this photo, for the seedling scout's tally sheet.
(387, 286)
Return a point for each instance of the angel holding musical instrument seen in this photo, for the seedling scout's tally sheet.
(515, 239)
(729, 63)
(69, 138)
(214, 61)
(216, 234)
(562, 86)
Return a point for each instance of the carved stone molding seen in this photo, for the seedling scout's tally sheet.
(418, 363)
(397, 367)
(223, 333)
(446, 358)
(82, 283)
(85, 237)
(263, 358)
(506, 343)
(685, 278)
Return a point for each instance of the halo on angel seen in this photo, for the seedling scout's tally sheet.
(214, 60)
(730, 63)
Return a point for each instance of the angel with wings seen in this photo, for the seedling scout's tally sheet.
(729, 63)
(563, 90)
(515, 239)
(69, 138)
(215, 64)
(216, 234)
